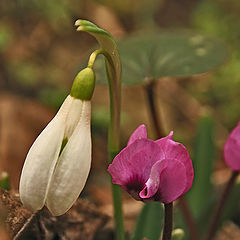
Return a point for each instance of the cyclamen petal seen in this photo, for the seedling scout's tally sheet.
(153, 183)
(175, 150)
(140, 132)
(153, 170)
(55, 178)
(134, 161)
(167, 181)
(232, 149)
(173, 181)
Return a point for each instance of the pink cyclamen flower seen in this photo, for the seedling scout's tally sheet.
(232, 149)
(158, 170)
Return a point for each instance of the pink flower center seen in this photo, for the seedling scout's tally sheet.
(134, 186)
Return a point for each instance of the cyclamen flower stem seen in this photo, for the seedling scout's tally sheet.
(150, 91)
(168, 221)
(220, 206)
(113, 142)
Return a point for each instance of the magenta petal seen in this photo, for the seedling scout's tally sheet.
(232, 149)
(152, 184)
(132, 166)
(173, 181)
(170, 176)
(160, 171)
(140, 132)
(175, 150)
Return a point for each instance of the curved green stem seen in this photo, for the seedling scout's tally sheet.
(94, 55)
(113, 135)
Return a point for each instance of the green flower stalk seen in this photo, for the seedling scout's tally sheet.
(113, 66)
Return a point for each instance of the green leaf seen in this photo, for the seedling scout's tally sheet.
(168, 54)
(203, 159)
(150, 222)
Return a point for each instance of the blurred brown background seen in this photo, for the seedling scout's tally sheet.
(40, 54)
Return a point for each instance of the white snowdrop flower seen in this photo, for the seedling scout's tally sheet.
(58, 163)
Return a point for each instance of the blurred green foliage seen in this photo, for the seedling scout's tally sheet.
(134, 14)
(4, 181)
(203, 163)
(26, 73)
(221, 18)
(5, 36)
(149, 224)
(58, 13)
(52, 97)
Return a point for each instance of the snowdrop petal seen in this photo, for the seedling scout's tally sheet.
(73, 116)
(40, 161)
(140, 132)
(73, 166)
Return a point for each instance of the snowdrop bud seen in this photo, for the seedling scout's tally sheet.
(83, 84)
(58, 163)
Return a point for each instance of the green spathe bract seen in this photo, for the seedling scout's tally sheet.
(83, 84)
